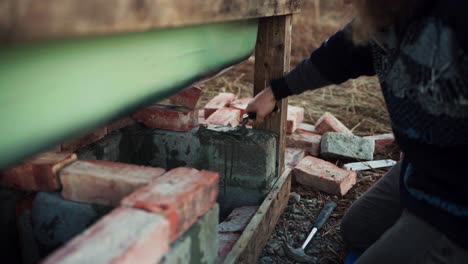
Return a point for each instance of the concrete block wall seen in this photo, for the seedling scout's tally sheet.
(83, 190)
(152, 217)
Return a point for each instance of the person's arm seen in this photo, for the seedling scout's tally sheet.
(336, 61)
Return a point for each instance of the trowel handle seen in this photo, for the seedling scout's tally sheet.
(253, 115)
(324, 214)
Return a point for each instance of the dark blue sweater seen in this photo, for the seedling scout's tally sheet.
(423, 70)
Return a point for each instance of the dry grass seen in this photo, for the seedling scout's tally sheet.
(358, 103)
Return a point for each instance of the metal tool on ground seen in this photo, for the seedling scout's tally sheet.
(298, 254)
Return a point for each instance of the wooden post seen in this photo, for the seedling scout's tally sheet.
(272, 59)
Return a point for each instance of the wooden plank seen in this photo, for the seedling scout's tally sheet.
(257, 233)
(272, 61)
(46, 19)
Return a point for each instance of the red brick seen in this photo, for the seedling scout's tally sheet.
(225, 116)
(220, 101)
(295, 117)
(104, 182)
(75, 144)
(187, 98)
(305, 140)
(174, 118)
(382, 142)
(307, 128)
(329, 123)
(125, 236)
(182, 195)
(237, 220)
(226, 242)
(201, 117)
(38, 173)
(241, 104)
(294, 156)
(119, 124)
(324, 176)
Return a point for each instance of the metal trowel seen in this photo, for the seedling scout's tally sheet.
(246, 117)
(252, 116)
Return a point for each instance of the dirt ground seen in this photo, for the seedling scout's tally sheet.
(358, 103)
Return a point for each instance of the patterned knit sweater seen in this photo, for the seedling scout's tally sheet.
(422, 66)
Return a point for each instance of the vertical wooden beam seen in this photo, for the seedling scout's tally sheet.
(272, 59)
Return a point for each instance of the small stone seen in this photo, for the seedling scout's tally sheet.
(312, 202)
(270, 250)
(296, 210)
(298, 217)
(275, 246)
(280, 252)
(266, 260)
(302, 237)
(346, 146)
(294, 198)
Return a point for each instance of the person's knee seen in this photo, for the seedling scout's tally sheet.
(348, 228)
(354, 231)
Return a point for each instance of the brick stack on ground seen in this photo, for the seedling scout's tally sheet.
(328, 139)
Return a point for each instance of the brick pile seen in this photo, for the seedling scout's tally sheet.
(310, 146)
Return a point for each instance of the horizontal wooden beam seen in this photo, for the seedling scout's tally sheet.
(257, 233)
(27, 20)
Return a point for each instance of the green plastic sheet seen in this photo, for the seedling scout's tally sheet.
(54, 91)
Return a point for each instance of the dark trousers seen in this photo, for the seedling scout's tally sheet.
(377, 225)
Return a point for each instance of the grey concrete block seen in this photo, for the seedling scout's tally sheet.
(56, 220)
(164, 148)
(243, 158)
(234, 197)
(199, 244)
(110, 148)
(347, 147)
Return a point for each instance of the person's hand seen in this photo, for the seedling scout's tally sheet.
(263, 104)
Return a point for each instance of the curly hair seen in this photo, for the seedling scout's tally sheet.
(373, 15)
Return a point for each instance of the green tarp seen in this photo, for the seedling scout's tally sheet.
(53, 91)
